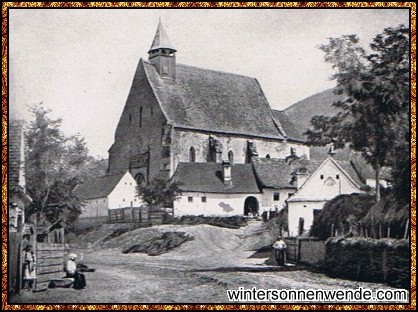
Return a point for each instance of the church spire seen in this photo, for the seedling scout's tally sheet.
(162, 54)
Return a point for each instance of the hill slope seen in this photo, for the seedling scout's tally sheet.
(302, 112)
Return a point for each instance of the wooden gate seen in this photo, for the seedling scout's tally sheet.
(292, 250)
(49, 263)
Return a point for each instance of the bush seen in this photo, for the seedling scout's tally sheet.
(344, 211)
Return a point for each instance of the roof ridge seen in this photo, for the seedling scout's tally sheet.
(208, 69)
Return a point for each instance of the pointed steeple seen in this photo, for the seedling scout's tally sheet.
(161, 40)
(162, 54)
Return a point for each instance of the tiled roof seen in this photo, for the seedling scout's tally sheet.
(15, 137)
(273, 173)
(279, 173)
(209, 100)
(347, 166)
(207, 178)
(98, 187)
(289, 128)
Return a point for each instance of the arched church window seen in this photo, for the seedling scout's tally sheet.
(140, 116)
(192, 155)
(231, 157)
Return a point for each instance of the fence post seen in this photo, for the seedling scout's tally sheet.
(406, 229)
(332, 230)
(388, 231)
(380, 230)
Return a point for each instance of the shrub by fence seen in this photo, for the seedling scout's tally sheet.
(371, 260)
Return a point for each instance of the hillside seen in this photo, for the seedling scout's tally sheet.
(302, 112)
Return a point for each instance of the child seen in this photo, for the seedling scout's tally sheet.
(29, 263)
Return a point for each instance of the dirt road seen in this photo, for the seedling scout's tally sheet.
(188, 274)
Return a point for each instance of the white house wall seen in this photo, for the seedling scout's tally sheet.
(124, 194)
(267, 199)
(97, 207)
(215, 205)
(182, 141)
(305, 210)
(328, 186)
(322, 186)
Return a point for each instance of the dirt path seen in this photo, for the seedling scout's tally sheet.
(187, 274)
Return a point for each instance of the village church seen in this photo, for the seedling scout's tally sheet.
(178, 114)
(215, 135)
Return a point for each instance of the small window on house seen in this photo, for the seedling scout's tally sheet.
(322, 176)
(268, 156)
(337, 176)
(276, 196)
(190, 199)
(140, 116)
(203, 199)
(165, 70)
(165, 152)
(123, 199)
(192, 154)
(126, 183)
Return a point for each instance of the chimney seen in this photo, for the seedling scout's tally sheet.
(301, 176)
(226, 172)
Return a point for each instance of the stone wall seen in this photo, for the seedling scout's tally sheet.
(140, 130)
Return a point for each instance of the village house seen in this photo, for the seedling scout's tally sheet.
(107, 192)
(178, 113)
(318, 185)
(215, 189)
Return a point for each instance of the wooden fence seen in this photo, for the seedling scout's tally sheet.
(144, 214)
(49, 263)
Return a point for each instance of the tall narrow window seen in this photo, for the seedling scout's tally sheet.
(130, 118)
(231, 157)
(192, 155)
(152, 111)
(140, 116)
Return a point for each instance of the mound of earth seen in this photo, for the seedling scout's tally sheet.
(159, 244)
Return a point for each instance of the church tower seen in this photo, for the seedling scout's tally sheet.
(162, 55)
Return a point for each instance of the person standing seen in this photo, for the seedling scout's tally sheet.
(72, 272)
(279, 249)
(29, 268)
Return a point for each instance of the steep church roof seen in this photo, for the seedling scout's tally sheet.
(288, 126)
(209, 100)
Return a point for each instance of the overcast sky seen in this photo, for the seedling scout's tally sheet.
(80, 62)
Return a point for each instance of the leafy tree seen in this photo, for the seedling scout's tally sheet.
(54, 166)
(376, 102)
(159, 193)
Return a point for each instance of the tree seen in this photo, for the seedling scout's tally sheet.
(376, 90)
(159, 192)
(54, 166)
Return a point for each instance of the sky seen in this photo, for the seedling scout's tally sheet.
(80, 63)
